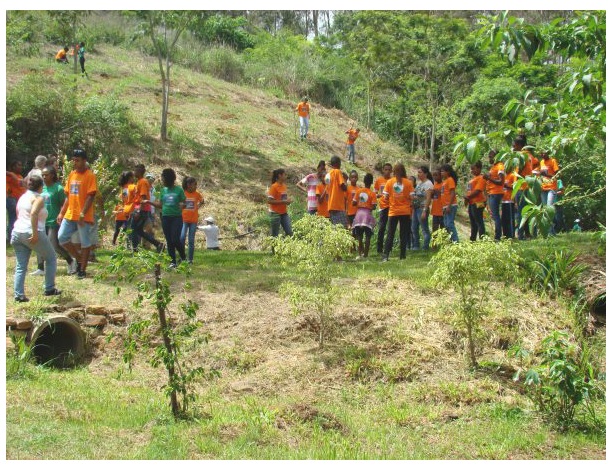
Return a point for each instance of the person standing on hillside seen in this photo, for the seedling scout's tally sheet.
(449, 205)
(194, 200)
(495, 182)
(398, 191)
(421, 202)
(77, 211)
(15, 187)
(303, 110)
(364, 223)
(475, 201)
(353, 134)
(378, 187)
(436, 208)
(308, 185)
(81, 58)
(142, 211)
(336, 187)
(350, 194)
(278, 200)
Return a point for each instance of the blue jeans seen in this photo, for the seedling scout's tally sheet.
(448, 221)
(494, 202)
(189, 228)
(350, 153)
(11, 210)
(548, 197)
(304, 125)
(281, 219)
(520, 202)
(172, 226)
(424, 224)
(23, 251)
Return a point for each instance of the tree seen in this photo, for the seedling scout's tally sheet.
(68, 23)
(164, 27)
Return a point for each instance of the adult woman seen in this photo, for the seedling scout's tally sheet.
(171, 203)
(436, 210)
(475, 201)
(29, 235)
(449, 206)
(278, 199)
(398, 193)
(421, 201)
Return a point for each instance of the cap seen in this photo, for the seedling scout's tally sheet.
(149, 176)
(209, 220)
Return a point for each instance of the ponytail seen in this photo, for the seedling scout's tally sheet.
(276, 173)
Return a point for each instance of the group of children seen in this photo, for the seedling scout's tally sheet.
(409, 201)
(178, 207)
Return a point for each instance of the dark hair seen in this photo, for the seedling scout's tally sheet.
(520, 141)
(448, 168)
(368, 180)
(387, 165)
(335, 161)
(355, 172)
(187, 181)
(426, 171)
(66, 48)
(168, 176)
(276, 173)
(13, 163)
(322, 163)
(478, 164)
(82, 44)
(80, 153)
(52, 171)
(125, 176)
(399, 171)
(34, 182)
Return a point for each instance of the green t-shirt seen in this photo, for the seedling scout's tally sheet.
(54, 197)
(170, 197)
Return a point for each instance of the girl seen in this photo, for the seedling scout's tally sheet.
(420, 204)
(278, 199)
(322, 197)
(364, 201)
(350, 193)
(398, 193)
(29, 235)
(382, 203)
(127, 197)
(309, 183)
(171, 202)
(507, 206)
(436, 210)
(476, 202)
(120, 222)
(194, 200)
(449, 205)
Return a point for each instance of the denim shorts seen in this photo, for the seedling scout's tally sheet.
(68, 227)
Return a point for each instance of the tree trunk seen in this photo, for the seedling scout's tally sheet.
(471, 345)
(315, 22)
(165, 331)
(432, 148)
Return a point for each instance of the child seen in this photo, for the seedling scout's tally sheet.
(194, 200)
(364, 223)
(436, 211)
(350, 193)
(212, 234)
(120, 222)
(322, 197)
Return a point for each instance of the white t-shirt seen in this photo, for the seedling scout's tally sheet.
(212, 236)
(23, 224)
(420, 192)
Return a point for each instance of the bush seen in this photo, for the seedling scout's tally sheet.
(556, 273)
(224, 63)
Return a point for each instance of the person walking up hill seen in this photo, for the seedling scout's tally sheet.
(303, 110)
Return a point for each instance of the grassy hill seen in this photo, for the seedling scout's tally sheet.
(392, 382)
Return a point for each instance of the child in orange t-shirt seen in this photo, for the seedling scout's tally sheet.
(476, 202)
(277, 198)
(436, 210)
(322, 196)
(350, 193)
(120, 221)
(364, 222)
(449, 205)
(193, 201)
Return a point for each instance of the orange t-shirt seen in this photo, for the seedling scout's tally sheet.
(495, 174)
(303, 109)
(143, 190)
(447, 186)
(128, 196)
(436, 200)
(79, 186)
(13, 186)
(508, 188)
(365, 199)
(474, 184)
(278, 192)
(552, 168)
(399, 199)
(323, 201)
(120, 215)
(350, 196)
(192, 200)
(352, 136)
(60, 55)
(337, 198)
(378, 187)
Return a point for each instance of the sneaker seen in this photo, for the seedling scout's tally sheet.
(53, 292)
(72, 268)
(21, 299)
(38, 272)
(80, 275)
(160, 248)
(172, 265)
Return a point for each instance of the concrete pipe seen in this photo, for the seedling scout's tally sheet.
(598, 308)
(58, 341)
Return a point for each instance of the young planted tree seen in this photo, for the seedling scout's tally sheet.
(312, 250)
(471, 268)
